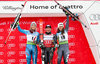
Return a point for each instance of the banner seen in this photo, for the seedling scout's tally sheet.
(14, 51)
(44, 6)
(84, 43)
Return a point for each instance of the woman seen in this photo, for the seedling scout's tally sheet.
(32, 39)
(62, 36)
(48, 43)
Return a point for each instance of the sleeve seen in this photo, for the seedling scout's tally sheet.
(21, 30)
(67, 23)
(55, 39)
(38, 39)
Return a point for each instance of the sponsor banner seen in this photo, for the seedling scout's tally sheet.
(44, 6)
(14, 51)
(90, 9)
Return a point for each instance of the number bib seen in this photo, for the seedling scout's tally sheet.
(31, 38)
(63, 37)
(47, 43)
(48, 40)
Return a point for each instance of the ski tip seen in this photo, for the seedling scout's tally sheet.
(40, 20)
(86, 27)
(22, 5)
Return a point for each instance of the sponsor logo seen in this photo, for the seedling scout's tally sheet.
(72, 28)
(1, 30)
(3, 23)
(94, 18)
(1, 61)
(72, 44)
(8, 29)
(11, 60)
(11, 8)
(1, 37)
(10, 46)
(22, 60)
(94, 23)
(71, 59)
(1, 45)
(22, 45)
(72, 52)
(26, 22)
(12, 37)
(21, 53)
(55, 7)
(1, 53)
(10, 53)
(22, 37)
(71, 36)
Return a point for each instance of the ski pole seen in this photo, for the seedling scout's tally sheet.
(15, 21)
(69, 12)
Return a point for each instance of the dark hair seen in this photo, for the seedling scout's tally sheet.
(62, 32)
(48, 26)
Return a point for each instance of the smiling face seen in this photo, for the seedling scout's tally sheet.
(33, 27)
(48, 30)
(60, 28)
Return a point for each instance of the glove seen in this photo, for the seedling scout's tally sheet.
(56, 45)
(17, 23)
(65, 11)
(41, 45)
(13, 27)
(76, 17)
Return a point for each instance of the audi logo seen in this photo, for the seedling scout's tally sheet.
(94, 17)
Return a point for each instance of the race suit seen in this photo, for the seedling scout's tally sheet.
(63, 49)
(31, 49)
(48, 48)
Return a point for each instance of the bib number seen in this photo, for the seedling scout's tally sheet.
(31, 38)
(63, 37)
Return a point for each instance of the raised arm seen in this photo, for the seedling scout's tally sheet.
(67, 20)
(21, 30)
(67, 23)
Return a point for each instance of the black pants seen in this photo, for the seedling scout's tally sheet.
(48, 52)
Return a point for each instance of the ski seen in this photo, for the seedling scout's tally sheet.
(13, 26)
(41, 38)
(41, 30)
(71, 14)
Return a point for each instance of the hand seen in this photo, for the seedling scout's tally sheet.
(41, 45)
(56, 45)
(65, 11)
(73, 18)
(17, 23)
(13, 26)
